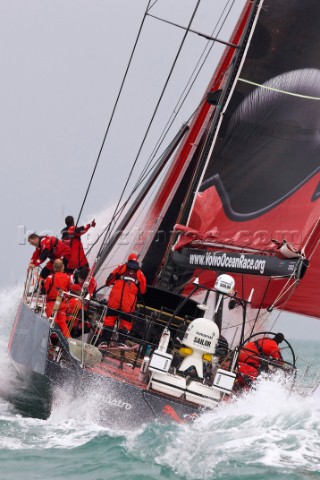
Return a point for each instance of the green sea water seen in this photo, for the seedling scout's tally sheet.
(266, 435)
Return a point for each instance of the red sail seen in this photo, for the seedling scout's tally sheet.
(262, 179)
(176, 186)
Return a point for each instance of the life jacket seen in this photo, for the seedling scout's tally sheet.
(50, 244)
(55, 282)
(72, 237)
(127, 283)
(253, 352)
(129, 276)
(50, 248)
(65, 237)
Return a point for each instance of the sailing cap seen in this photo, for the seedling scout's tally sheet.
(279, 337)
(133, 256)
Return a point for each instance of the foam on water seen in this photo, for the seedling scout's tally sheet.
(265, 429)
(71, 423)
(9, 301)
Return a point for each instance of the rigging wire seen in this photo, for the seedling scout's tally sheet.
(208, 37)
(152, 117)
(278, 90)
(113, 111)
(144, 174)
(194, 75)
(151, 6)
(257, 316)
(123, 206)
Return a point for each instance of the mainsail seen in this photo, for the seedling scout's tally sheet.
(244, 184)
(182, 178)
(262, 178)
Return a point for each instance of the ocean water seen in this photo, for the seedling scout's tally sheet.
(265, 435)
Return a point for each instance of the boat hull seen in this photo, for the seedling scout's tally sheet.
(114, 401)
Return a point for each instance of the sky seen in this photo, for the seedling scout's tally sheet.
(62, 63)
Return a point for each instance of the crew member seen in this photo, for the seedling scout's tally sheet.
(253, 352)
(53, 285)
(75, 304)
(48, 247)
(71, 235)
(77, 280)
(252, 356)
(128, 280)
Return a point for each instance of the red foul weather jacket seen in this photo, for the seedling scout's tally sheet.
(50, 248)
(76, 287)
(55, 282)
(127, 283)
(72, 237)
(251, 352)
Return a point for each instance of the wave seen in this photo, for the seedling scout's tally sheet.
(266, 430)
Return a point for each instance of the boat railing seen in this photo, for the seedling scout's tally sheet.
(147, 328)
(32, 295)
(148, 324)
(145, 337)
(163, 314)
(264, 362)
(307, 380)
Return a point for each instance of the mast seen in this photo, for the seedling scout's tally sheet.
(174, 199)
(232, 64)
(108, 244)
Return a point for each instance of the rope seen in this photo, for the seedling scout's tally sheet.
(195, 73)
(152, 117)
(113, 111)
(74, 315)
(284, 291)
(308, 97)
(149, 168)
(309, 239)
(292, 288)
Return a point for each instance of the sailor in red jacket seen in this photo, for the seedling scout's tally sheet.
(253, 352)
(71, 235)
(53, 284)
(47, 247)
(250, 360)
(77, 280)
(127, 280)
